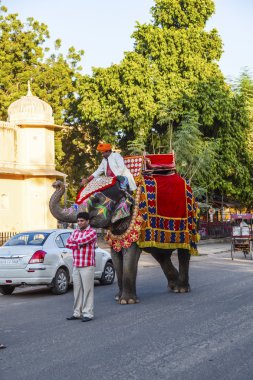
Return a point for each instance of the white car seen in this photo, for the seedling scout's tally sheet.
(41, 258)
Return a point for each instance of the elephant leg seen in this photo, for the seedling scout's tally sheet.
(117, 259)
(131, 257)
(183, 278)
(164, 259)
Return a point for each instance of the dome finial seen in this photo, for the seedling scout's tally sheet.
(30, 109)
(29, 92)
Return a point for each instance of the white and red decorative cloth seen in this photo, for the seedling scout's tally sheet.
(97, 184)
(135, 165)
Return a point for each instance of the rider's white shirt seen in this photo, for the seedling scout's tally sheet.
(118, 167)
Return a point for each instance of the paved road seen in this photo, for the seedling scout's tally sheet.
(206, 334)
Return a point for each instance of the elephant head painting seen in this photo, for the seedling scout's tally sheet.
(159, 219)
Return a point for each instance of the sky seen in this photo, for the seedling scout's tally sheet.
(103, 28)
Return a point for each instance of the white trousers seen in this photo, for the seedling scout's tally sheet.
(83, 283)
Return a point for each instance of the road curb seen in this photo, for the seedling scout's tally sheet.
(211, 241)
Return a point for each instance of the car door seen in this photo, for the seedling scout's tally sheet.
(99, 261)
(66, 253)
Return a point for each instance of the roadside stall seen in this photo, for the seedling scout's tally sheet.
(241, 238)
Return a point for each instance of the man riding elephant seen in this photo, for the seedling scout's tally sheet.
(112, 165)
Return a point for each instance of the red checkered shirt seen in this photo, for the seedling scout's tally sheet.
(83, 256)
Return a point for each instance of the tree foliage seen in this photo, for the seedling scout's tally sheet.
(167, 93)
(24, 56)
(195, 155)
(235, 164)
(172, 71)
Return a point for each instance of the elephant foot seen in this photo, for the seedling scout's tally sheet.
(129, 301)
(181, 289)
(172, 285)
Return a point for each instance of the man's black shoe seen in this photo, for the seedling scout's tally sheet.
(2, 346)
(72, 318)
(86, 319)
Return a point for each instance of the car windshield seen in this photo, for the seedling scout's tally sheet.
(31, 238)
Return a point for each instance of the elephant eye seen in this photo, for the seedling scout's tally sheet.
(95, 199)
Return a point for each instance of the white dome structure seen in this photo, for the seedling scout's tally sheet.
(30, 110)
(27, 165)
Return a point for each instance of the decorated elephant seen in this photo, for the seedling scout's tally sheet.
(159, 219)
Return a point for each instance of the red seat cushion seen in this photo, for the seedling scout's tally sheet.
(166, 161)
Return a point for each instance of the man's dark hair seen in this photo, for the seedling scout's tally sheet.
(83, 215)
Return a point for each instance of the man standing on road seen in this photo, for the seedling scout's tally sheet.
(83, 242)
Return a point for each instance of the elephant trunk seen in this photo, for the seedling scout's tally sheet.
(62, 215)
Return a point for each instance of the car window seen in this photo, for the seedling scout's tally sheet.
(31, 238)
(62, 239)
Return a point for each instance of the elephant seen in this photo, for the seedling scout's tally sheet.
(125, 258)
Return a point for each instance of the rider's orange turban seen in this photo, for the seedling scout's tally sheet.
(103, 147)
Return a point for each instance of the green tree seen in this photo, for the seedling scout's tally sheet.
(243, 87)
(195, 156)
(170, 58)
(167, 93)
(174, 58)
(235, 160)
(24, 56)
(137, 146)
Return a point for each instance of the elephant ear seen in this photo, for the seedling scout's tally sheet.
(122, 210)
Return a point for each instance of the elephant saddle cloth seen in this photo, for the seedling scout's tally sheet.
(169, 213)
(94, 186)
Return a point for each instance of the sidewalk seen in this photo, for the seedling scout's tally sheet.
(214, 247)
(204, 248)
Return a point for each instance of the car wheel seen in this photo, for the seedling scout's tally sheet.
(60, 282)
(108, 274)
(7, 289)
